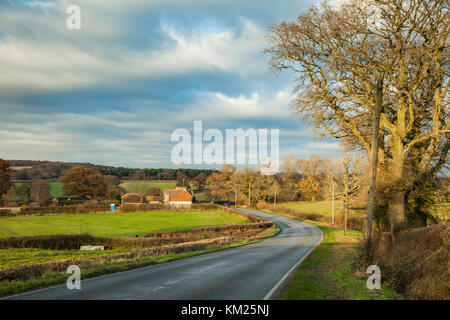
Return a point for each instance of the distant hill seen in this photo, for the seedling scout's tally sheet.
(53, 170)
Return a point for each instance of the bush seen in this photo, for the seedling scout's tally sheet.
(63, 210)
(5, 212)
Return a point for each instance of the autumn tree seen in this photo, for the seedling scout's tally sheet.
(5, 180)
(314, 174)
(200, 180)
(84, 182)
(339, 54)
(289, 177)
(219, 182)
(40, 192)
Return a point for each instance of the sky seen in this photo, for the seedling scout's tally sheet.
(113, 92)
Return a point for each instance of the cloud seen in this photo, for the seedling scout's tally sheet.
(113, 92)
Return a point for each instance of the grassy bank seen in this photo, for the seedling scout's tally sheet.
(117, 224)
(331, 271)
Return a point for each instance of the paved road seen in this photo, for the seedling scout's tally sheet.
(257, 271)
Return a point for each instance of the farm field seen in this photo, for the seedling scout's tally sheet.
(202, 196)
(55, 190)
(115, 225)
(320, 207)
(142, 186)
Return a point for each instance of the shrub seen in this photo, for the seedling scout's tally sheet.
(63, 210)
(5, 212)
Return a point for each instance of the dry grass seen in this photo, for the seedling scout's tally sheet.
(417, 263)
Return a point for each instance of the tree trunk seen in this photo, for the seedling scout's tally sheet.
(396, 211)
(373, 163)
(397, 201)
(345, 220)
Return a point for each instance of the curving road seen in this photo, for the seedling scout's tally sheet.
(252, 272)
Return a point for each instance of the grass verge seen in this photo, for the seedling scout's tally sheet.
(331, 272)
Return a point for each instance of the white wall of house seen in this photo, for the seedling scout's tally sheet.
(180, 204)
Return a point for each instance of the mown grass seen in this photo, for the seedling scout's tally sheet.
(56, 189)
(117, 224)
(331, 271)
(142, 186)
(320, 207)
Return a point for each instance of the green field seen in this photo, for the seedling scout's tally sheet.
(142, 186)
(202, 196)
(320, 207)
(55, 191)
(117, 224)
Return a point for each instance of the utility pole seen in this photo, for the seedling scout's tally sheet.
(275, 198)
(235, 198)
(347, 203)
(332, 203)
(373, 160)
(249, 201)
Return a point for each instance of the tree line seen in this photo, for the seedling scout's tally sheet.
(53, 170)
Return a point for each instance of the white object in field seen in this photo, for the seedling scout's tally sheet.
(89, 248)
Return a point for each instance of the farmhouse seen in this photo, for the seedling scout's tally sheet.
(178, 197)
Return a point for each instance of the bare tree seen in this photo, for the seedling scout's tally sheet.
(340, 52)
(40, 192)
(348, 180)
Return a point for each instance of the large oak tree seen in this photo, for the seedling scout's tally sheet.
(82, 181)
(340, 53)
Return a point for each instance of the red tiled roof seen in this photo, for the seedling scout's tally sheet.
(178, 195)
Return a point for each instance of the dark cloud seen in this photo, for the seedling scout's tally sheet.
(114, 92)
